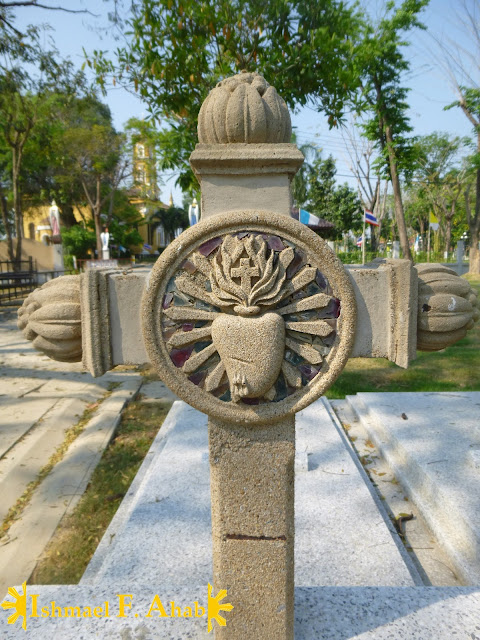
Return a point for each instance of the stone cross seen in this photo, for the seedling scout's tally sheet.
(245, 272)
(249, 317)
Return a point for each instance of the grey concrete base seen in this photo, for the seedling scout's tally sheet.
(163, 533)
(430, 441)
(321, 613)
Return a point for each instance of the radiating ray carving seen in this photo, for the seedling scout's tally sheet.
(244, 277)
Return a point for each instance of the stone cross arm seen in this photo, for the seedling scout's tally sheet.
(96, 317)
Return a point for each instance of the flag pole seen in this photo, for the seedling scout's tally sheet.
(363, 240)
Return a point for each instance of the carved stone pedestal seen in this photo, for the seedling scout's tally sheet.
(252, 488)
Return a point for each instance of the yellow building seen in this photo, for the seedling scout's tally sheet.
(145, 196)
(40, 223)
(43, 223)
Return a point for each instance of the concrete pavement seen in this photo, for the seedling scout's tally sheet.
(40, 400)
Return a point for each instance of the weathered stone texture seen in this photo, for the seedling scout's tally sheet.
(386, 292)
(97, 350)
(252, 488)
(244, 108)
(447, 307)
(51, 318)
(251, 176)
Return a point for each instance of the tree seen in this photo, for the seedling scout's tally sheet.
(382, 65)
(179, 49)
(441, 179)
(95, 156)
(338, 204)
(171, 219)
(28, 77)
(364, 166)
(461, 61)
(79, 240)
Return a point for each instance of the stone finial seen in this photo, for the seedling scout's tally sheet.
(447, 307)
(51, 318)
(244, 109)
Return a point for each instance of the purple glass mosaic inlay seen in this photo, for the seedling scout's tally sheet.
(180, 356)
(207, 248)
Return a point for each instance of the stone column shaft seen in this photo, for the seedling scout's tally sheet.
(252, 488)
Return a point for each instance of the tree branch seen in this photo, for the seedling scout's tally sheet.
(32, 3)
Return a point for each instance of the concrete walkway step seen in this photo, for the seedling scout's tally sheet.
(61, 490)
(22, 464)
(17, 420)
(431, 442)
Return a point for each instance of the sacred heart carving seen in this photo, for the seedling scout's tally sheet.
(252, 350)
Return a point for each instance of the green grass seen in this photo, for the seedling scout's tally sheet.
(70, 550)
(456, 368)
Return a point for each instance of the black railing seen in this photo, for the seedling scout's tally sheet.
(18, 279)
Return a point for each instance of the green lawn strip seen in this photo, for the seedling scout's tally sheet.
(70, 550)
(456, 368)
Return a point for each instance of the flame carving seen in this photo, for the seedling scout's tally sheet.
(248, 298)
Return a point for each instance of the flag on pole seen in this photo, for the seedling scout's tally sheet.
(308, 218)
(433, 221)
(371, 219)
(147, 246)
(359, 241)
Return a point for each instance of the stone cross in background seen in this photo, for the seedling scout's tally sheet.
(249, 317)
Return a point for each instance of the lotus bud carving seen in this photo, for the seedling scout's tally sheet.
(447, 307)
(51, 318)
(244, 109)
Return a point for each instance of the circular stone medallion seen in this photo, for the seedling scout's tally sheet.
(248, 317)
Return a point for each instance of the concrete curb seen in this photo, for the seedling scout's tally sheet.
(440, 492)
(129, 501)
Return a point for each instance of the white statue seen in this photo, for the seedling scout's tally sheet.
(55, 219)
(105, 238)
(193, 213)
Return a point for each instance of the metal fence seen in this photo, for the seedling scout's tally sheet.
(18, 279)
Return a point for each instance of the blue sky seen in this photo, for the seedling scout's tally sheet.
(430, 88)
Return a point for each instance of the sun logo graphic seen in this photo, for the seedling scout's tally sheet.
(214, 608)
(20, 605)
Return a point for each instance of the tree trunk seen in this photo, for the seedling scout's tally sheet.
(17, 206)
(448, 235)
(474, 258)
(98, 225)
(474, 224)
(397, 195)
(421, 224)
(6, 224)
